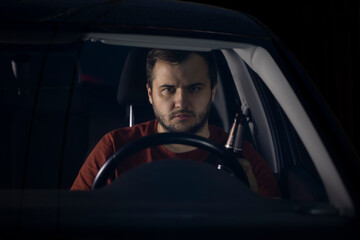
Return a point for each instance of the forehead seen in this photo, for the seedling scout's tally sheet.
(192, 70)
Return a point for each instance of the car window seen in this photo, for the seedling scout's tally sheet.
(36, 87)
(18, 96)
(298, 176)
(71, 102)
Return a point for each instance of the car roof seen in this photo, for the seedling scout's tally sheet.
(117, 16)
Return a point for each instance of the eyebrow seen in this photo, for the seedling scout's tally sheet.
(191, 85)
(166, 86)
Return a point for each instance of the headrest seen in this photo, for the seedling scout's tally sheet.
(132, 85)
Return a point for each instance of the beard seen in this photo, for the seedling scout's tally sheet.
(200, 120)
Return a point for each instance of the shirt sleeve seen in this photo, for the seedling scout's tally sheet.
(102, 151)
(267, 183)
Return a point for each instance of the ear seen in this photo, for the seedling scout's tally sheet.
(149, 93)
(213, 91)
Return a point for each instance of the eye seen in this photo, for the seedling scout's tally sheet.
(168, 90)
(194, 89)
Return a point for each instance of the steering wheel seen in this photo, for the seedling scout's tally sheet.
(226, 157)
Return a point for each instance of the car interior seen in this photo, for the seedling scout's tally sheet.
(59, 100)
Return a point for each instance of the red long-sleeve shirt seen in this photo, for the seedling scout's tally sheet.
(114, 140)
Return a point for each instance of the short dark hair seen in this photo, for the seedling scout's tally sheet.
(177, 57)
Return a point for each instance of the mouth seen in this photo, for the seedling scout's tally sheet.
(182, 115)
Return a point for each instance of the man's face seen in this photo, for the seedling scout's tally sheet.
(181, 95)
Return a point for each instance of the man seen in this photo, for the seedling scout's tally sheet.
(181, 88)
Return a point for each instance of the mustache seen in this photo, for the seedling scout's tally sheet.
(182, 111)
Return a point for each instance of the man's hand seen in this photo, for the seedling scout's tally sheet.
(249, 173)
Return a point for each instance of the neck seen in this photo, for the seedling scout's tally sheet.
(179, 148)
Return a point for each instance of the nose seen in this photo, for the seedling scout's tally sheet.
(181, 99)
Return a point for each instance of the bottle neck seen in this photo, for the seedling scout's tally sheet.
(235, 139)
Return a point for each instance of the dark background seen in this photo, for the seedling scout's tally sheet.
(324, 37)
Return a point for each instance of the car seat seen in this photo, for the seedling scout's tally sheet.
(132, 91)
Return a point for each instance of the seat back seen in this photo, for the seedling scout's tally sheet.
(132, 91)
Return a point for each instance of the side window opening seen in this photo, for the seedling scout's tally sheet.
(35, 90)
(298, 177)
(20, 75)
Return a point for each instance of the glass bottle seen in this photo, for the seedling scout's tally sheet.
(235, 139)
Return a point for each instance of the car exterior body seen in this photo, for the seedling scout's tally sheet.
(61, 65)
